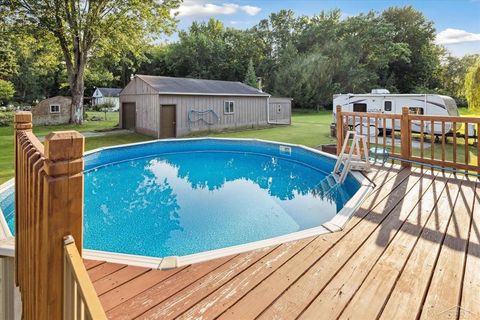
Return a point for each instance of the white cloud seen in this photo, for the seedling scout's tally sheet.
(451, 36)
(251, 10)
(203, 8)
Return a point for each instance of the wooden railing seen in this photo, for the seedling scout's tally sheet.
(48, 207)
(80, 299)
(441, 141)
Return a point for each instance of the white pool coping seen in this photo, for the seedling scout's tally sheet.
(337, 223)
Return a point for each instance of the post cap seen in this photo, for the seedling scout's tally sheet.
(23, 117)
(64, 145)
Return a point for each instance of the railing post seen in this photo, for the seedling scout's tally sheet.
(63, 208)
(405, 137)
(23, 122)
(339, 128)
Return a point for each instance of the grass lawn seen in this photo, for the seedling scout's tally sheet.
(309, 129)
(6, 139)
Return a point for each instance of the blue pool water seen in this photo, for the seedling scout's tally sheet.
(183, 197)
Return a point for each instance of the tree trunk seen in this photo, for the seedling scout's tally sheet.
(77, 88)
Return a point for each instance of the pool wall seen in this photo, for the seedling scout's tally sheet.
(309, 156)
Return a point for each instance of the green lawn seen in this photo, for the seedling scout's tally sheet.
(6, 139)
(309, 129)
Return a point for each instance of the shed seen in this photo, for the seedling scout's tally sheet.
(107, 95)
(165, 107)
(280, 110)
(55, 110)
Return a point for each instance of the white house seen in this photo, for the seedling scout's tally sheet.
(107, 95)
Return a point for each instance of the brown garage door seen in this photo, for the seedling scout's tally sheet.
(168, 124)
(128, 115)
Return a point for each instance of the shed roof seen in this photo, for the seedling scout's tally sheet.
(189, 86)
(110, 92)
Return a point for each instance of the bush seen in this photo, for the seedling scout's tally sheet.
(6, 119)
(107, 106)
(6, 91)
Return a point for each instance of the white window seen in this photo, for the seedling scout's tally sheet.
(54, 108)
(228, 107)
(279, 108)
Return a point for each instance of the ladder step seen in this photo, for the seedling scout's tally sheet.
(351, 160)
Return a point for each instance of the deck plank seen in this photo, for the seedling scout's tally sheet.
(443, 297)
(342, 287)
(370, 298)
(104, 270)
(89, 264)
(142, 302)
(271, 287)
(408, 293)
(191, 295)
(470, 302)
(299, 295)
(134, 287)
(118, 278)
(228, 294)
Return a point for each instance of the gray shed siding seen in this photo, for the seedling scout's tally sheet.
(146, 103)
(280, 110)
(249, 112)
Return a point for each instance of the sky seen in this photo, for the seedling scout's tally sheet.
(457, 22)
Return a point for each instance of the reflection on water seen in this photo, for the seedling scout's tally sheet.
(184, 203)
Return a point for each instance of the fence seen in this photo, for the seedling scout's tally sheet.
(411, 137)
(49, 207)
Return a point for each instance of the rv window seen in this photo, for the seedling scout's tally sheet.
(416, 110)
(387, 106)
(359, 107)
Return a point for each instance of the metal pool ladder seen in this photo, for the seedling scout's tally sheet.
(353, 159)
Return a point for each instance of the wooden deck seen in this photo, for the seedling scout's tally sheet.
(411, 251)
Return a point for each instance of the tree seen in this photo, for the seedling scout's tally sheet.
(251, 77)
(452, 76)
(418, 68)
(85, 27)
(472, 87)
(6, 91)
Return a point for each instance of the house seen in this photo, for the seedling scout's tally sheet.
(55, 110)
(165, 107)
(106, 95)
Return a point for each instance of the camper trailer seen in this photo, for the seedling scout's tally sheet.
(382, 101)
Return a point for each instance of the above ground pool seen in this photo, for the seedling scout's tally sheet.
(182, 197)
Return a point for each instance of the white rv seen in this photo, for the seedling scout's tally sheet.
(382, 101)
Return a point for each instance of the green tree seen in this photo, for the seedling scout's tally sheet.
(251, 77)
(419, 68)
(84, 27)
(200, 51)
(472, 87)
(6, 91)
(452, 76)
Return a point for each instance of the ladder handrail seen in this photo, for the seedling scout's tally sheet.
(355, 146)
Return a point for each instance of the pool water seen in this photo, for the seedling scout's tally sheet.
(184, 199)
